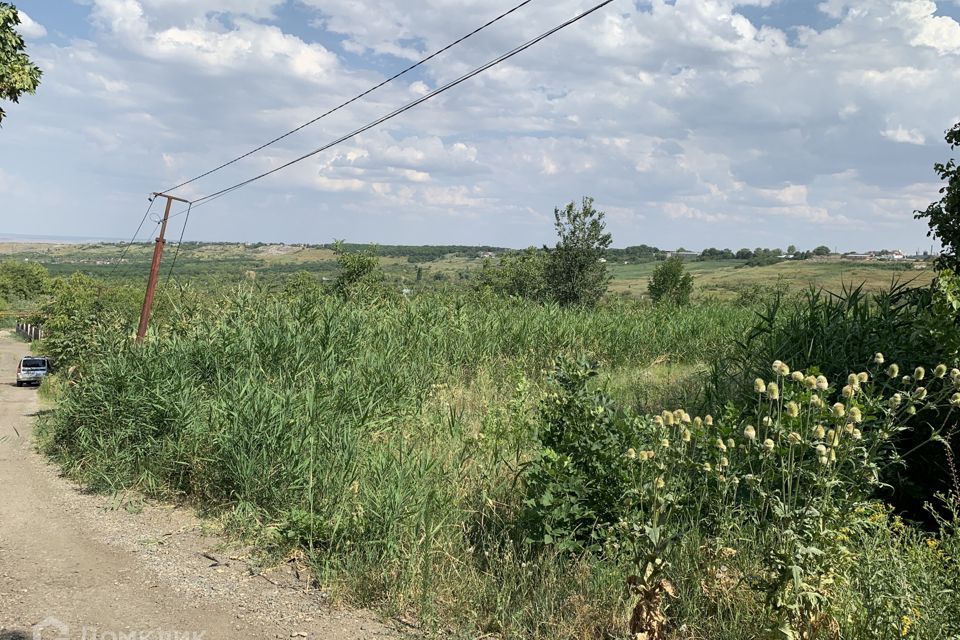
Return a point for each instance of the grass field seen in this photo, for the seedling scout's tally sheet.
(503, 468)
(230, 263)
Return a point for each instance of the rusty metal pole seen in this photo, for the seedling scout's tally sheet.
(155, 268)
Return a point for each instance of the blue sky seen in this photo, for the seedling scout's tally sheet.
(694, 123)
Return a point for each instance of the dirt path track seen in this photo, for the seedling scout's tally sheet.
(74, 559)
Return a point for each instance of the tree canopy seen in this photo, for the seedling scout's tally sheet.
(671, 283)
(576, 271)
(943, 216)
(18, 75)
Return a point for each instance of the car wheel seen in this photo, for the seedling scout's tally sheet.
(19, 384)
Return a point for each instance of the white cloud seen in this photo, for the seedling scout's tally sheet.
(675, 114)
(911, 136)
(30, 28)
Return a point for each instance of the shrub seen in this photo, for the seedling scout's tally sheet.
(910, 326)
(670, 283)
(790, 475)
(521, 275)
(360, 273)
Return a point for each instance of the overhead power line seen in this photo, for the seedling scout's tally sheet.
(403, 109)
(136, 233)
(355, 98)
(176, 255)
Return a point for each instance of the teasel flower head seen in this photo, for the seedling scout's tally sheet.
(773, 391)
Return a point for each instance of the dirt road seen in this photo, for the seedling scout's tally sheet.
(74, 565)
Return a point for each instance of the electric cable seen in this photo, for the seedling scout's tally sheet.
(134, 238)
(355, 98)
(176, 254)
(496, 61)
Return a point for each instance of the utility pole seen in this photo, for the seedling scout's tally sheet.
(155, 267)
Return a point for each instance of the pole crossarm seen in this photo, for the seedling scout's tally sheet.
(157, 194)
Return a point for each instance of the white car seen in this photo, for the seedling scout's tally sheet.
(32, 370)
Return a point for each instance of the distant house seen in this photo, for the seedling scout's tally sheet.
(603, 260)
(893, 255)
(681, 254)
(860, 257)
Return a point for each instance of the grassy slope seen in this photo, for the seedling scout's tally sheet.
(722, 279)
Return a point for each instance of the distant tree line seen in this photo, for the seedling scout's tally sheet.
(426, 253)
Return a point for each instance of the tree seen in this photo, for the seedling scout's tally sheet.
(576, 273)
(792, 249)
(521, 274)
(670, 283)
(360, 272)
(744, 254)
(821, 251)
(18, 75)
(943, 216)
(22, 280)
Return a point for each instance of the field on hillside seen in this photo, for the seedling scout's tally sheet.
(230, 263)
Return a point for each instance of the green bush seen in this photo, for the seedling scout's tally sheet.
(670, 283)
(788, 476)
(910, 326)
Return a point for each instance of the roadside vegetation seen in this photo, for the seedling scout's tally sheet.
(528, 457)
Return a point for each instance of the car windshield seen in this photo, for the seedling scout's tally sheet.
(34, 363)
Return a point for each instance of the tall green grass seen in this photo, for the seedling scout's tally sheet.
(381, 438)
(384, 440)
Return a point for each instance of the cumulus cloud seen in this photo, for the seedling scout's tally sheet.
(684, 119)
(911, 136)
(30, 28)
